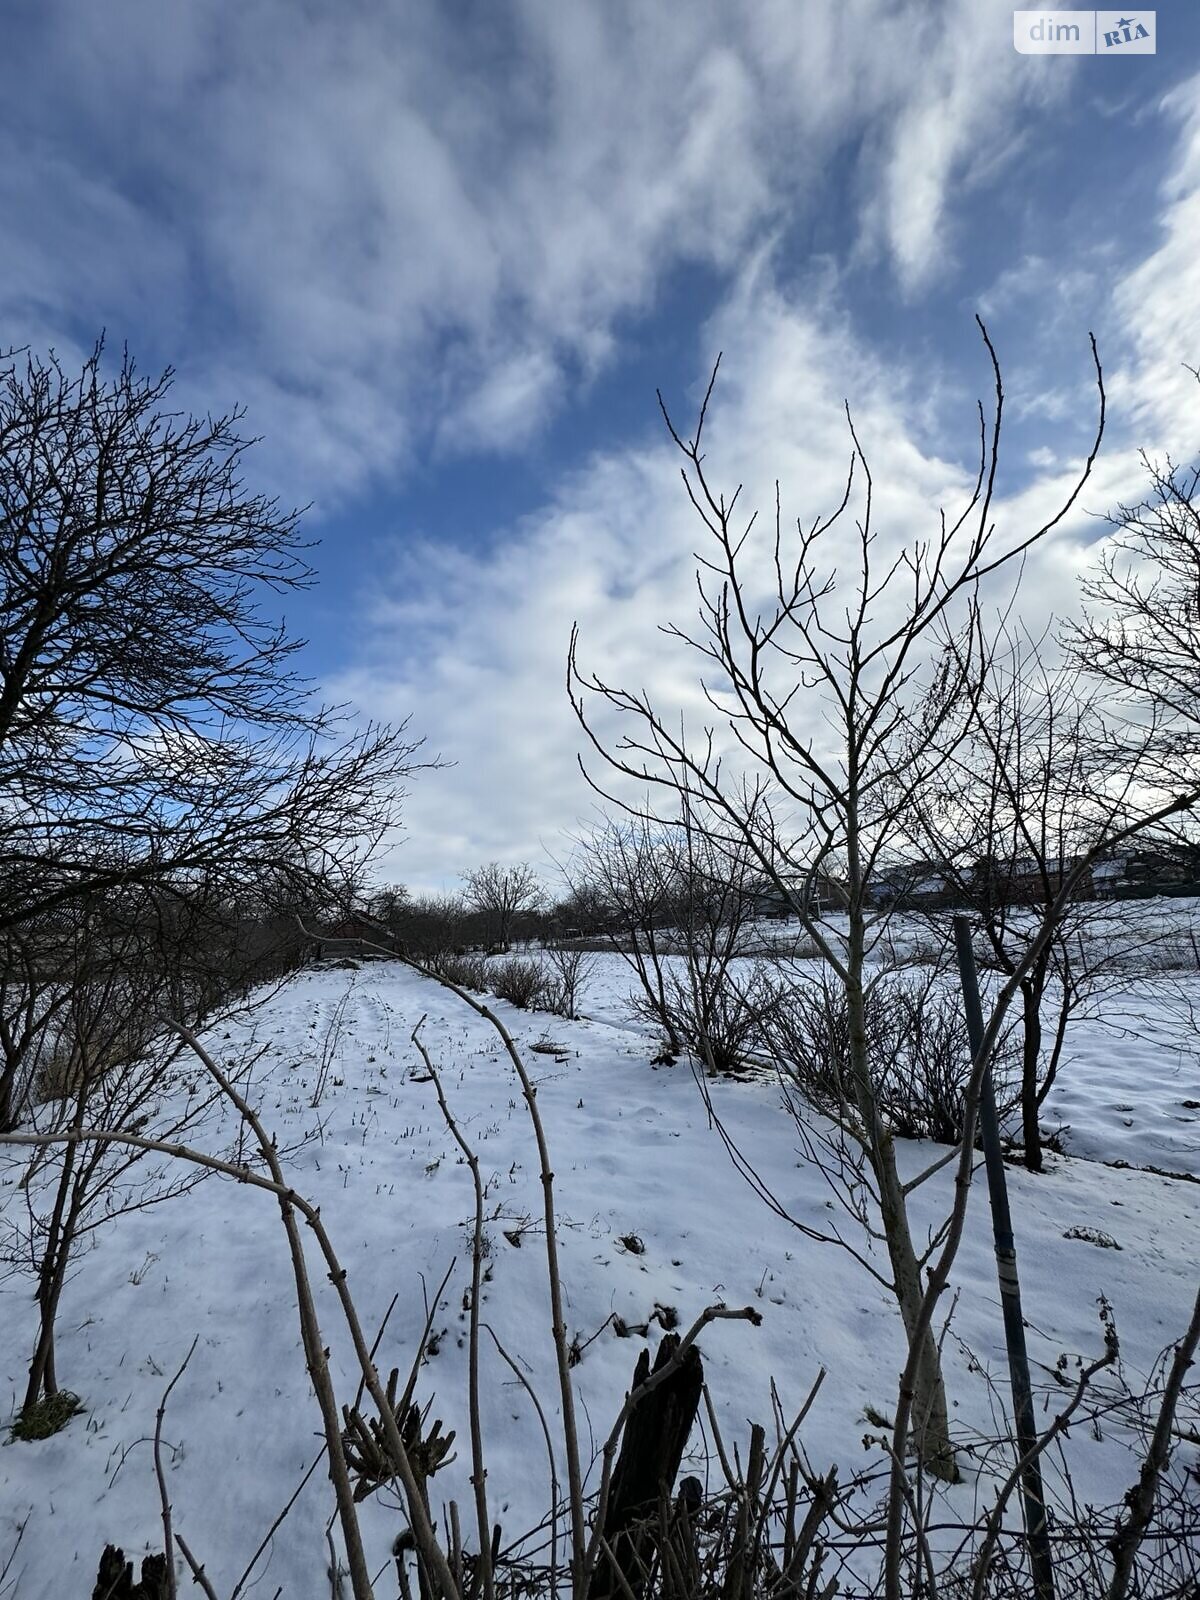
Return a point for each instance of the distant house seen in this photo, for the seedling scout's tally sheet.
(353, 935)
(910, 884)
(1143, 873)
(770, 903)
(1027, 880)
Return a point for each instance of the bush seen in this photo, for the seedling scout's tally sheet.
(917, 1044)
(720, 1016)
(468, 971)
(104, 1028)
(521, 981)
(569, 968)
(922, 1083)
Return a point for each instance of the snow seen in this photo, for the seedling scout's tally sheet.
(1132, 1093)
(633, 1154)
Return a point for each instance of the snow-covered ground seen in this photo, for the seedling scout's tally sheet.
(1129, 1085)
(635, 1158)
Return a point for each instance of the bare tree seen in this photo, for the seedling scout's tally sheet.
(1140, 634)
(431, 927)
(721, 1004)
(151, 721)
(675, 904)
(1041, 777)
(570, 968)
(501, 894)
(102, 1061)
(389, 905)
(583, 911)
(621, 872)
(31, 996)
(1139, 637)
(828, 779)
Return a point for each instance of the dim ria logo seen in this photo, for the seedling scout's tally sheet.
(1084, 33)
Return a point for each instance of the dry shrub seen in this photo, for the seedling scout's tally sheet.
(569, 969)
(521, 981)
(467, 971)
(720, 1014)
(917, 1044)
(106, 1026)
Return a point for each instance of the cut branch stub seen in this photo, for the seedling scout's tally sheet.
(114, 1578)
(656, 1434)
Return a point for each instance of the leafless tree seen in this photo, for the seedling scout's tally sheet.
(206, 944)
(390, 905)
(430, 927)
(1041, 777)
(502, 894)
(570, 968)
(620, 870)
(31, 996)
(1140, 634)
(151, 720)
(818, 692)
(1139, 637)
(101, 1060)
(677, 904)
(918, 1035)
(583, 911)
(721, 1007)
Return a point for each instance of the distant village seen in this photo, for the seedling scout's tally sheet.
(1135, 874)
(918, 886)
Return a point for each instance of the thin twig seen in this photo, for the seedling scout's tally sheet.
(164, 1498)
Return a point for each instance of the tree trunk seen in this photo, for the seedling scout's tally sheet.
(1066, 1005)
(654, 986)
(114, 1579)
(8, 1078)
(931, 1423)
(43, 1380)
(1031, 1052)
(51, 1276)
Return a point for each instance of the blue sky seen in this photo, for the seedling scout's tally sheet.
(444, 253)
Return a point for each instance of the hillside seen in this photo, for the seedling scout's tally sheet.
(655, 1223)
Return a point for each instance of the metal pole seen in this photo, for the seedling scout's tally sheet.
(1033, 1499)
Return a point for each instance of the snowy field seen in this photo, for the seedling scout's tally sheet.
(635, 1160)
(1129, 1086)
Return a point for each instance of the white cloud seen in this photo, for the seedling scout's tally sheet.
(378, 223)
(388, 234)
(1055, 288)
(479, 644)
(1157, 304)
(957, 129)
(476, 644)
(507, 407)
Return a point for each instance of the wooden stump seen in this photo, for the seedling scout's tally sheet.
(114, 1579)
(656, 1434)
